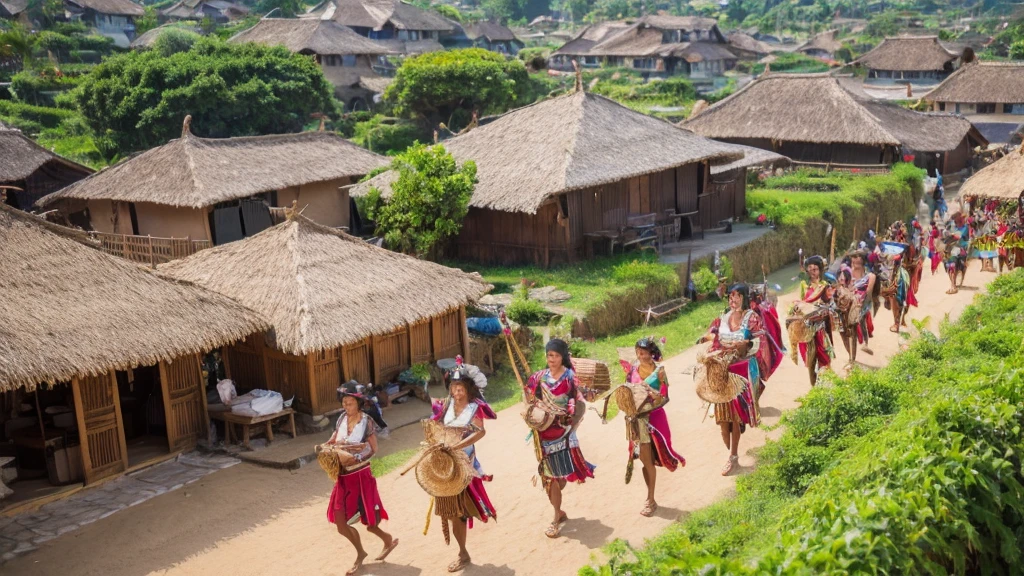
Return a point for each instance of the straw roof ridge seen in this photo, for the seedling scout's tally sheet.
(22, 156)
(571, 142)
(591, 36)
(908, 53)
(751, 157)
(493, 31)
(322, 289)
(822, 41)
(197, 172)
(71, 310)
(14, 7)
(1003, 179)
(995, 82)
(309, 35)
(116, 7)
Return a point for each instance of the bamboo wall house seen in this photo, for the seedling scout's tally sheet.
(561, 173)
(995, 88)
(908, 59)
(727, 189)
(216, 190)
(340, 309)
(116, 344)
(401, 26)
(28, 171)
(349, 61)
(820, 119)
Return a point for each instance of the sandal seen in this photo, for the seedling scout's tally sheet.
(648, 509)
(459, 564)
(356, 566)
(555, 528)
(387, 550)
(733, 460)
(894, 328)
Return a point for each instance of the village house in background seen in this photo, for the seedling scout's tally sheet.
(726, 193)
(562, 178)
(822, 46)
(990, 88)
(340, 309)
(402, 27)
(821, 120)
(352, 63)
(487, 35)
(114, 19)
(111, 351)
(656, 45)
(914, 59)
(28, 171)
(204, 191)
(220, 11)
(15, 10)
(746, 47)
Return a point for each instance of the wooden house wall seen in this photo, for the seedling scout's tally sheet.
(958, 158)
(726, 197)
(314, 379)
(184, 394)
(496, 237)
(813, 152)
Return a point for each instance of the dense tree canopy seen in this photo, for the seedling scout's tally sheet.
(437, 85)
(137, 100)
(428, 203)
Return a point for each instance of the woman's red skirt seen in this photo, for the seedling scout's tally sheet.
(355, 494)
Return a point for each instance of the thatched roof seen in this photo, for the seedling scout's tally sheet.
(575, 141)
(644, 38)
(322, 288)
(907, 53)
(21, 157)
(412, 47)
(11, 8)
(197, 172)
(1003, 179)
(817, 108)
(702, 52)
(748, 43)
(825, 41)
(374, 14)
(193, 9)
(308, 35)
(71, 310)
(589, 37)
(114, 7)
(148, 38)
(492, 31)
(751, 157)
(375, 83)
(997, 82)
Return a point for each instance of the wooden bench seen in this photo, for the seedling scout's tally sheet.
(639, 231)
(691, 227)
(229, 418)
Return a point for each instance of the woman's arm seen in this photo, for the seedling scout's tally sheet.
(475, 437)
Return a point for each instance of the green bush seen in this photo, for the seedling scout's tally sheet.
(645, 272)
(32, 119)
(39, 88)
(725, 268)
(174, 40)
(704, 280)
(535, 58)
(911, 469)
(525, 311)
(387, 135)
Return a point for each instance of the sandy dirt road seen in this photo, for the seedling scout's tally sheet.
(252, 521)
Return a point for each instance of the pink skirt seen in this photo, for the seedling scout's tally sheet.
(661, 442)
(481, 501)
(355, 494)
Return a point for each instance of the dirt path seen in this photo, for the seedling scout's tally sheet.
(286, 536)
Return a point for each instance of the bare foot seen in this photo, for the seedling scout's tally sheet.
(649, 508)
(733, 460)
(867, 350)
(387, 549)
(357, 564)
(460, 563)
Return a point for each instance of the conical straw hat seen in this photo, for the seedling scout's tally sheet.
(444, 471)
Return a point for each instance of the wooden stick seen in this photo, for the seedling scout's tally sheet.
(832, 250)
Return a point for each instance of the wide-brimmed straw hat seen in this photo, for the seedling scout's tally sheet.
(715, 384)
(444, 471)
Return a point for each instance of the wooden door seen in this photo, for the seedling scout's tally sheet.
(98, 410)
(184, 402)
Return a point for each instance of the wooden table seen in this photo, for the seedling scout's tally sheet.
(229, 418)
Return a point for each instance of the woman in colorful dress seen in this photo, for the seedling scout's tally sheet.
(863, 282)
(355, 497)
(562, 460)
(654, 444)
(465, 408)
(818, 353)
(740, 331)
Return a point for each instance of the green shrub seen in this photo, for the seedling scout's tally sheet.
(725, 268)
(39, 88)
(534, 58)
(526, 311)
(645, 272)
(174, 40)
(388, 136)
(30, 118)
(704, 280)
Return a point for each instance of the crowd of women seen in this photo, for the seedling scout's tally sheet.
(842, 296)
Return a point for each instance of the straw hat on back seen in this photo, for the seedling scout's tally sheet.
(444, 471)
(715, 384)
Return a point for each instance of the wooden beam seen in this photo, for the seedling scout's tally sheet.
(76, 390)
(311, 375)
(464, 331)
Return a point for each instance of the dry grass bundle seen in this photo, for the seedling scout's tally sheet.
(327, 455)
(715, 384)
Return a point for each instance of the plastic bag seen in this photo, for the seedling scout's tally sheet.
(268, 404)
(226, 390)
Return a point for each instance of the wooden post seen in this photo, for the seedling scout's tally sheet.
(832, 250)
(878, 220)
(168, 412)
(464, 331)
(311, 374)
(83, 432)
(152, 259)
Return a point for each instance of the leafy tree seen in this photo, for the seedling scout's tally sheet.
(437, 85)
(174, 40)
(428, 202)
(16, 41)
(448, 11)
(137, 100)
(147, 22)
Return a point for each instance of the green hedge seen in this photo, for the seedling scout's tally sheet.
(911, 469)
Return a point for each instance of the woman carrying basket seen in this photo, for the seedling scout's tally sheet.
(561, 461)
(653, 445)
(355, 496)
(817, 354)
(738, 334)
(464, 408)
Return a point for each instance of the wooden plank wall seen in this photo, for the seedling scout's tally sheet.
(497, 237)
(687, 188)
(390, 355)
(184, 402)
(326, 379)
(98, 411)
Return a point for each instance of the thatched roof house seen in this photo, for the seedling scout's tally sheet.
(578, 48)
(491, 36)
(554, 172)
(747, 47)
(982, 88)
(14, 9)
(1001, 180)
(33, 170)
(815, 118)
(220, 11)
(909, 58)
(661, 45)
(823, 45)
(147, 39)
(331, 297)
(207, 188)
(114, 19)
(404, 28)
(347, 59)
(72, 313)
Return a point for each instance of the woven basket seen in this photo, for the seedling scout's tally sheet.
(592, 374)
(327, 457)
(714, 382)
(637, 399)
(435, 432)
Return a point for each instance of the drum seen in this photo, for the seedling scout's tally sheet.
(541, 413)
(638, 400)
(328, 458)
(802, 320)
